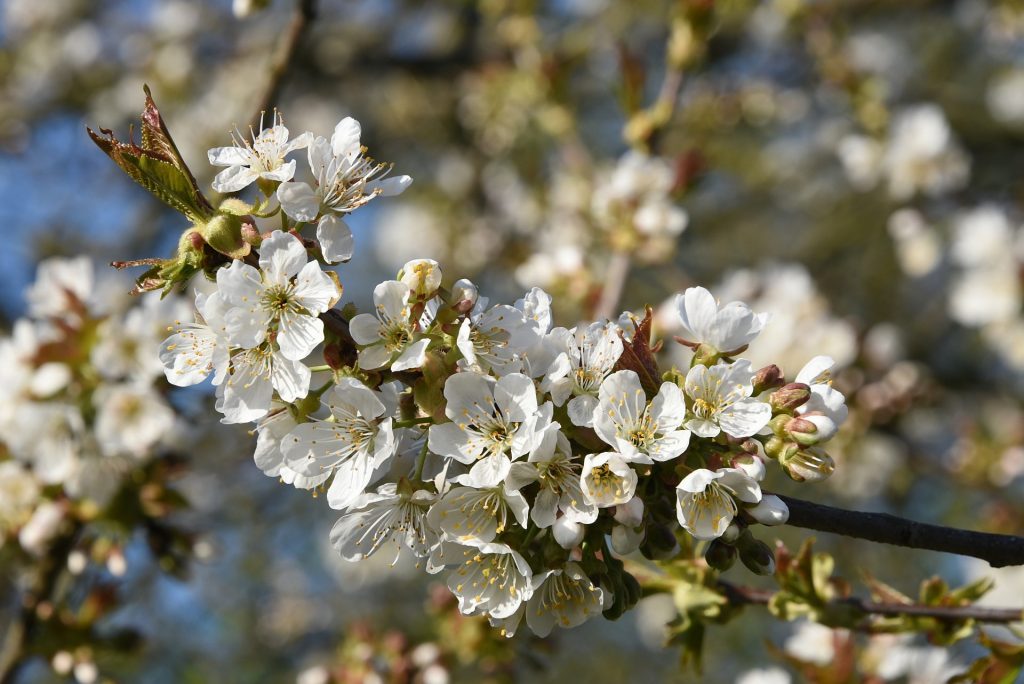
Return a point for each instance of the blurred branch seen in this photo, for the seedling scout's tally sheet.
(305, 13)
(999, 550)
(16, 649)
(740, 595)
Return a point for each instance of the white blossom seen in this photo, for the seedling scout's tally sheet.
(345, 180)
(725, 329)
(641, 432)
(390, 335)
(706, 500)
(257, 373)
(131, 419)
(480, 510)
(493, 421)
(495, 338)
(721, 401)
(283, 297)
(586, 356)
(490, 577)
(565, 598)
(264, 157)
(269, 457)
(353, 445)
(390, 516)
(607, 480)
(825, 399)
(197, 349)
(556, 470)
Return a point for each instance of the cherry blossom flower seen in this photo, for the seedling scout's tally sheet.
(607, 480)
(706, 500)
(563, 597)
(494, 339)
(390, 335)
(490, 577)
(724, 329)
(721, 401)
(356, 442)
(200, 348)
(586, 357)
(261, 158)
(256, 374)
(641, 432)
(480, 510)
(391, 516)
(556, 470)
(283, 297)
(345, 180)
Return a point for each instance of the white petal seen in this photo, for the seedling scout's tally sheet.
(234, 178)
(335, 238)
(669, 445)
(282, 256)
(365, 328)
(448, 440)
(744, 418)
(697, 310)
(581, 410)
(298, 201)
(389, 187)
(299, 335)
(314, 289)
(668, 409)
(345, 140)
(742, 485)
(290, 378)
(516, 396)
(413, 357)
(229, 156)
(374, 356)
(284, 172)
(350, 480)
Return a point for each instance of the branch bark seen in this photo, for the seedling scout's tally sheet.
(305, 13)
(999, 550)
(749, 595)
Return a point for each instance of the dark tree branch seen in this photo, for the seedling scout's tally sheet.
(999, 550)
(748, 595)
(305, 13)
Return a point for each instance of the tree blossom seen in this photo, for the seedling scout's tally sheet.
(725, 329)
(197, 349)
(556, 470)
(255, 375)
(353, 445)
(490, 577)
(706, 500)
(721, 401)
(261, 158)
(481, 509)
(283, 297)
(494, 339)
(641, 432)
(586, 356)
(564, 597)
(390, 335)
(607, 480)
(269, 457)
(389, 516)
(493, 421)
(131, 419)
(825, 399)
(345, 180)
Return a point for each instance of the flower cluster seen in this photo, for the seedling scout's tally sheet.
(82, 399)
(518, 458)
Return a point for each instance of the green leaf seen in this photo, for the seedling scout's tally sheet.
(156, 165)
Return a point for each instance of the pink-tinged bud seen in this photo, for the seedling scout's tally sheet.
(332, 356)
(789, 397)
(771, 510)
(568, 533)
(464, 295)
(631, 513)
(251, 234)
(809, 430)
(767, 378)
(196, 241)
(807, 465)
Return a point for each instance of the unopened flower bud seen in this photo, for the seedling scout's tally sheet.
(750, 464)
(732, 532)
(196, 241)
(789, 397)
(332, 356)
(630, 513)
(251, 234)
(568, 533)
(827, 427)
(807, 465)
(626, 539)
(464, 295)
(767, 378)
(660, 543)
(720, 555)
(423, 276)
(756, 555)
(771, 510)
(803, 432)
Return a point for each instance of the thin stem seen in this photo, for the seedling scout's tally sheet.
(421, 461)
(999, 550)
(413, 422)
(749, 595)
(284, 55)
(319, 369)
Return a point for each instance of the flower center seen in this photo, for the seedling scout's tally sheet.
(703, 409)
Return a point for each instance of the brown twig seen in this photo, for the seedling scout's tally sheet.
(999, 550)
(305, 13)
(749, 595)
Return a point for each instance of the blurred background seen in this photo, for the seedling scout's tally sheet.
(850, 166)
